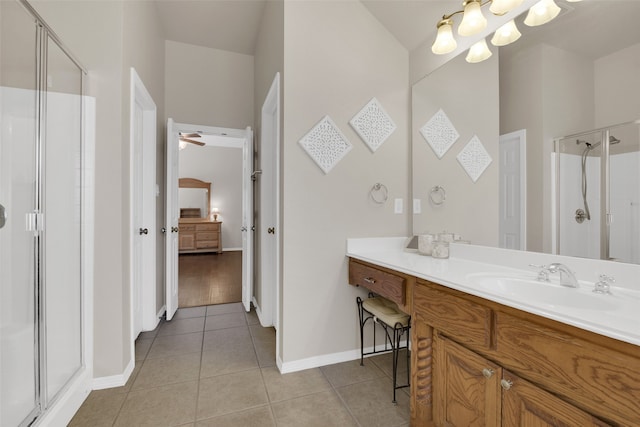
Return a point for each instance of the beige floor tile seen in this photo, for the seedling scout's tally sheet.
(371, 403)
(185, 313)
(170, 405)
(142, 348)
(127, 387)
(99, 409)
(235, 307)
(317, 410)
(257, 417)
(228, 359)
(351, 372)
(170, 370)
(385, 363)
(175, 345)
(264, 340)
(252, 317)
(182, 326)
(296, 384)
(149, 334)
(225, 394)
(229, 337)
(227, 320)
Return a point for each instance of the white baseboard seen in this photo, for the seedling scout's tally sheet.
(324, 360)
(160, 314)
(231, 249)
(114, 380)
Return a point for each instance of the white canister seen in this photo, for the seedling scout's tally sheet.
(445, 237)
(425, 243)
(440, 250)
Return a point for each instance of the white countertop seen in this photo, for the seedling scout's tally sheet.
(617, 317)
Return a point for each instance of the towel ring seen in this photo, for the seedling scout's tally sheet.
(379, 193)
(437, 195)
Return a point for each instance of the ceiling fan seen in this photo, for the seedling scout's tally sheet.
(188, 137)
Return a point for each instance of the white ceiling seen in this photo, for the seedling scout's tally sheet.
(233, 25)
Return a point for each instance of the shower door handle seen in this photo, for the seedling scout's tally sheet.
(3, 216)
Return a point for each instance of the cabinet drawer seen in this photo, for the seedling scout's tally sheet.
(387, 285)
(456, 317)
(206, 244)
(207, 227)
(595, 376)
(205, 235)
(187, 227)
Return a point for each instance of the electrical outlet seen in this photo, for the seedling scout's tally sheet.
(417, 206)
(397, 207)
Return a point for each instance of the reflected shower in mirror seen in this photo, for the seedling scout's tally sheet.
(570, 77)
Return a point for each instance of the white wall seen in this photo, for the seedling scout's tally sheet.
(337, 56)
(468, 94)
(617, 89)
(208, 86)
(222, 167)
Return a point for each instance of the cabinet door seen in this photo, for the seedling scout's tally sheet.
(525, 405)
(187, 241)
(466, 387)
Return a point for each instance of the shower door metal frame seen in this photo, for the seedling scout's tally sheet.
(606, 217)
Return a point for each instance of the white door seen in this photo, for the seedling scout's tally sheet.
(172, 215)
(267, 309)
(143, 207)
(513, 175)
(247, 220)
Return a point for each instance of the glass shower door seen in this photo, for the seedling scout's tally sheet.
(19, 393)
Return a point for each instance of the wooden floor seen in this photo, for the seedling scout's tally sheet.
(206, 279)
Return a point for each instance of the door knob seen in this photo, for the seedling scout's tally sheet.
(243, 228)
(163, 230)
(271, 230)
(3, 216)
(174, 229)
(144, 231)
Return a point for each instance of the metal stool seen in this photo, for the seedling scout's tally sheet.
(395, 324)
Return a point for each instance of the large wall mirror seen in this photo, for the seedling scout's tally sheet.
(570, 77)
(195, 198)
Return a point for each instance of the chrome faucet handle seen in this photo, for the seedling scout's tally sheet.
(603, 286)
(543, 274)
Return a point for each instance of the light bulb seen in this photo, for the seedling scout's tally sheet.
(478, 52)
(473, 21)
(506, 34)
(500, 7)
(445, 42)
(541, 13)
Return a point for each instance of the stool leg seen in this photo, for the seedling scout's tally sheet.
(361, 316)
(396, 345)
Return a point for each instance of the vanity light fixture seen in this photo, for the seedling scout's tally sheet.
(541, 13)
(478, 52)
(506, 34)
(473, 22)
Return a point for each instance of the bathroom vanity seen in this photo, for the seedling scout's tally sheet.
(493, 346)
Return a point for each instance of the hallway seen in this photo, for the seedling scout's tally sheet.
(215, 366)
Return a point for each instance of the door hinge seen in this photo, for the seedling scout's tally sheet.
(34, 222)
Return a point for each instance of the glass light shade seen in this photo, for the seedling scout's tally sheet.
(478, 52)
(445, 42)
(573, 1)
(473, 21)
(500, 7)
(506, 34)
(541, 13)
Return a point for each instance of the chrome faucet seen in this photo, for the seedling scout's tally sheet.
(567, 278)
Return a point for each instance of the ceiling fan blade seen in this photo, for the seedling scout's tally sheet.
(192, 141)
(190, 135)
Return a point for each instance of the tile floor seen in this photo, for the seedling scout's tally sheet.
(215, 366)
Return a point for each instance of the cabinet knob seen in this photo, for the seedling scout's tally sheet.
(488, 373)
(369, 280)
(506, 384)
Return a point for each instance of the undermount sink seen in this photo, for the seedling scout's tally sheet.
(530, 290)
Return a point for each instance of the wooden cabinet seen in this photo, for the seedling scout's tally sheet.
(387, 283)
(200, 236)
(476, 362)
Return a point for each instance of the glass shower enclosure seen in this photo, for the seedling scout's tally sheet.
(41, 215)
(598, 193)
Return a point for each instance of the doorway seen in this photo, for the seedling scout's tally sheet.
(220, 228)
(513, 190)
